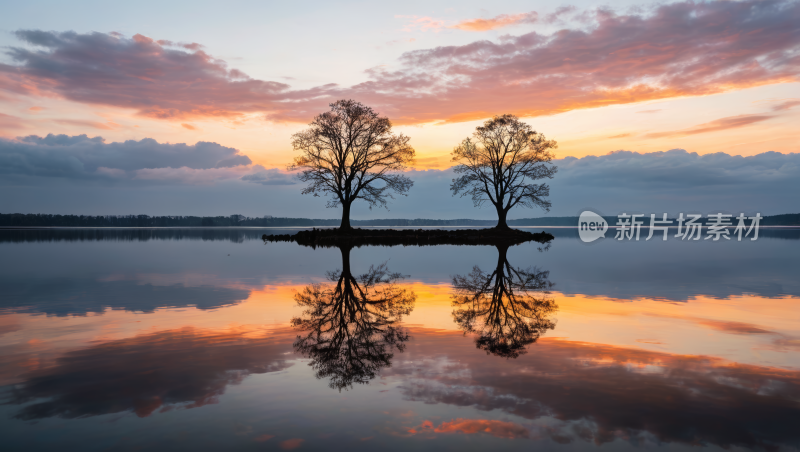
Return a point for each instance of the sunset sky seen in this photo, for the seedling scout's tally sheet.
(717, 80)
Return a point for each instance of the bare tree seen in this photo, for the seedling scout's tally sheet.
(501, 164)
(350, 153)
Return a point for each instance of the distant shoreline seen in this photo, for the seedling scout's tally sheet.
(16, 220)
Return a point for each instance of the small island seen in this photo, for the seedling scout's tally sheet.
(392, 237)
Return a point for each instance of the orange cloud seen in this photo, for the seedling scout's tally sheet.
(89, 124)
(498, 429)
(503, 20)
(293, 443)
(731, 122)
(188, 126)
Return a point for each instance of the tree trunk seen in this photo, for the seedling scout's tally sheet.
(345, 250)
(345, 226)
(501, 218)
(502, 258)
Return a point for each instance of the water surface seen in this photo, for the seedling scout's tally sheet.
(208, 339)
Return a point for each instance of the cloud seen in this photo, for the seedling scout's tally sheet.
(270, 177)
(498, 429)
(291, 444)
(91, 124)
(187, 367)
(561, 11)
(81, 157)
(677, 170)
(188, 126)
(575, 388)
(622, 135)
(71, 297)
(731, 122)
(672, 181)
(787, 105)
(423, 23)
(10, 122)
(672, 50)
(725, 326)
(503, 20)
(139, 73)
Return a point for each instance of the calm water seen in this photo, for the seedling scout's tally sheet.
(211, 340)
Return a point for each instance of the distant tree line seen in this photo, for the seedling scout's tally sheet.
(146, 221)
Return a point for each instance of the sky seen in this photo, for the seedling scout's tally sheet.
(188, 108)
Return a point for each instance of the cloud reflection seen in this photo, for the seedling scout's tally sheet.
(187, 367)
(601, 393)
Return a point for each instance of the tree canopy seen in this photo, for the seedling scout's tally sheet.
(350, 153)
(500, 163)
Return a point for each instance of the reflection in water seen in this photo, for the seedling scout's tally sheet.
(508, 308)
(63, 297)
(186, 367)
(353, 324)
(229, 234)
(597, 393)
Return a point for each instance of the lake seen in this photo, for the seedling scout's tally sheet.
(209, 339)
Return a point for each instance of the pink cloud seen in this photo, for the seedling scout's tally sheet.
(787, 105)
(422, 22)
(503, 20)
(109, 125)
(677, 49)
(731, 122)
(10, 122)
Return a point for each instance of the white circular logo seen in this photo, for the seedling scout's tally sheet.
(591, 226)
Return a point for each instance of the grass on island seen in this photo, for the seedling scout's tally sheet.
(336, 237)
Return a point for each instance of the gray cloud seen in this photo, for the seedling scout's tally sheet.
(677, 170)
(81, 157)
(672, 181)
(270, 177)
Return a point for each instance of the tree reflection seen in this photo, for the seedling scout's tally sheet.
(353, 324)
(508, 308)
